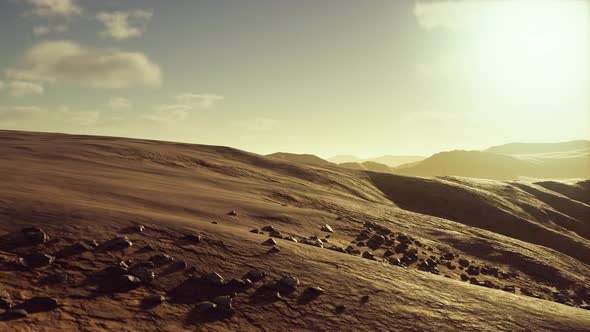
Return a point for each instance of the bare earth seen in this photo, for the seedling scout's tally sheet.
(532, 235)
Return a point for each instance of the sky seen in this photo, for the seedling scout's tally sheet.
(327, 77)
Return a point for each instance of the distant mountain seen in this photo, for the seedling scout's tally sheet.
(344, 159)
(368, 166)
(534, 148)
(309, 159)
(388, 160)
(510, 161)
(394, 161)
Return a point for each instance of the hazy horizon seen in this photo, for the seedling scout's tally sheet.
(329, 78)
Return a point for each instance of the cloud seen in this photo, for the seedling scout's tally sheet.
(257, 124)
(84, 118)
(55, 7)
(53, 61)
(168, 113)
(42, 30)
(198, 100)
(21, 89)
(2, 85)
(15, 113)
(119, 103)
(119, 24)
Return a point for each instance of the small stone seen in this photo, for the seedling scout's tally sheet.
(352, 250)
(368, 255)
(56, 278)
(270, 242)
(464, 277)
(290, 283)
(142, 273)
(205, 307)
(5, 299)
(268, 228)
(224, 302)
(473, 270)
(274, 249)
(36, 260)
(291, 238)
(255, 231)
(388, 253)
(327, 228)
(161, 259)
(375, 241)
(138, 228)
(117, 243)
(463, 262)
(194, 238)
(255, 276)
(232, 213)
(365, 299)
(127, 282)
(154, 300)
(215, 279)
(340, 308)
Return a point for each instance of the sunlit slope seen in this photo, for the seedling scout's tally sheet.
(82, 188)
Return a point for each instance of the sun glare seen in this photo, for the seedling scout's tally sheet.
(536, 51)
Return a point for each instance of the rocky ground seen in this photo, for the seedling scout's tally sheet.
(114, 234)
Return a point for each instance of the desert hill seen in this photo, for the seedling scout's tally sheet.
(368, 166)
(300, 158)
(391, 161)
(509, 162)
(406, 253)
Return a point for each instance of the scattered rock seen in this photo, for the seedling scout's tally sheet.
(270, 242)
(161, 259)
(368, 255)
(274, 249)
(473, 270)
(327, 228)
(5, 299)
(36, 260)
(365, 299)
(255, 276)
(388, 253)
(56, 278)
(463, 262)
(268, 229)
(336, 248)
(117, 243)
(375, 241)
(232, 213)
(224, 305)
(215, 279)
(126, 282)
(205, 307)
(464, 277)
(288, 284)
(340, 308)
(143, 273)
(193, 238)
(153, 300)
(138, 228)
(352, 250)
(291, 238)
(255, 231)
(313, 241)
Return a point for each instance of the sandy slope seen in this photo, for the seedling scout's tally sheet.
(83, 188)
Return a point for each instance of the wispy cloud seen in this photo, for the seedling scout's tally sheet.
(198, 100)
(119, 103)
(18, 113)
(21, 89)
(42, 30)
(123, 25)
(55, 7)
(52, 61)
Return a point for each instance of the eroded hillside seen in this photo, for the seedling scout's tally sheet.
(406, 253)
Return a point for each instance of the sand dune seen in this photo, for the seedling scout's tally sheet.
(527, 241)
